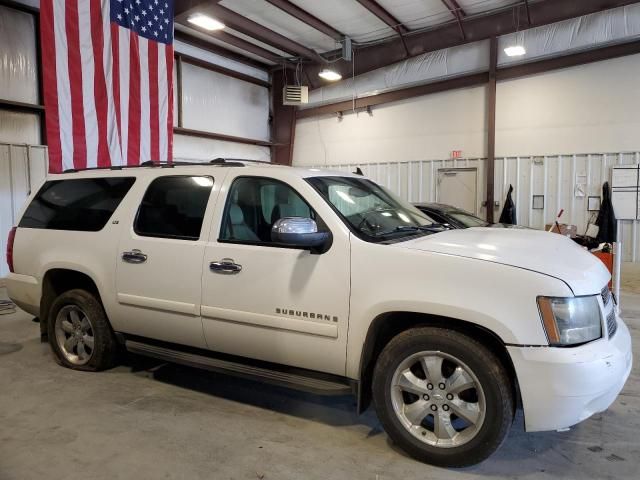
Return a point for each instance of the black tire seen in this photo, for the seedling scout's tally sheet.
(105, 347)
(490, 373)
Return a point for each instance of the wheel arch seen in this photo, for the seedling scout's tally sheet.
(387, 325)
(56, 281)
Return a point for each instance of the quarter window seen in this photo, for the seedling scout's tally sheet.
(174, 207)
(82, 204)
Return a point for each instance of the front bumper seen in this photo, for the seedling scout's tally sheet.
(563, 386)
(25, 292)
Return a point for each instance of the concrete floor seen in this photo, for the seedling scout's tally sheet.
(147, 419)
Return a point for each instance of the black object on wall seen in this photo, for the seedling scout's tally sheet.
(508, 214)
(606, 220)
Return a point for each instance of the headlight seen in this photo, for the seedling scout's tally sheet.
(571, 320)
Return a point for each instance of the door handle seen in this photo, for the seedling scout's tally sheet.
(225, 266)
(134, 256)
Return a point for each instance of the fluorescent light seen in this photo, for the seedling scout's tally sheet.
(330, 75)
(206, 22)
(515, 51)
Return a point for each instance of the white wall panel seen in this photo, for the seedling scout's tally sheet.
(18, 59)
(22, 168)
(204, 149)
(427, 127)
(216, 103)
(551, 176)
(590, 108)
(18, 127)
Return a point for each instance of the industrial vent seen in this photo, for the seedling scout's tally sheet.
(295, 95)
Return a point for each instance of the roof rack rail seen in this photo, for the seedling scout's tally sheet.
(176, 163)
(223, 160)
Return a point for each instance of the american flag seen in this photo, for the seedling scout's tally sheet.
(108, 81)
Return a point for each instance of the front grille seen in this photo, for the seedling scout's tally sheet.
(612, 323)
(606, 295)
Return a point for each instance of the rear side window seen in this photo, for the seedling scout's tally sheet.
(174, 207)
(83, 204)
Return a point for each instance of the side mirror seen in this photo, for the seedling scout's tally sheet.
(299, 232)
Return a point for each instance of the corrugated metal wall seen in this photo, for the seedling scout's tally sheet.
(555, 177)
(22, 168)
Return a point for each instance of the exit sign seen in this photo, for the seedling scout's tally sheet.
(456, 154)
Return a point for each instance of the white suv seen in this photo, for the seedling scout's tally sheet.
(327, 282)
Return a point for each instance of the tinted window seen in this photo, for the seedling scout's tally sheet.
(173, 207)
(255, 204)
(83, 204)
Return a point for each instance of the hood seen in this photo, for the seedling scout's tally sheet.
(539, 251)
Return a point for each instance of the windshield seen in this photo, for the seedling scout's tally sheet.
(371, 211)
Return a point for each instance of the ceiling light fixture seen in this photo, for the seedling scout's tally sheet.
(330, 75)
(206, 22)
(515, 51)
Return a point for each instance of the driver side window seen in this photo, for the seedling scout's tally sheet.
(254, 204)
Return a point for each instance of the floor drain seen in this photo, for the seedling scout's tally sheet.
(6, 348)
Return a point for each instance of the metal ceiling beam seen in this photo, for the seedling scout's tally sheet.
(457, 12)
(248, 27)
(305, 17)
(395, 95)
(506, 73)
(283, 122)
(231, 40)
(479, 27)
(218, 69)
(526, 6)
(490, 166)
(376, 9)
(237, 42)
(572, 60)
(458, 8)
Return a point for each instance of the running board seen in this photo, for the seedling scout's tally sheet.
(297, 381)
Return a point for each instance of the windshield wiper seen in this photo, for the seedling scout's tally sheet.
(433, 228)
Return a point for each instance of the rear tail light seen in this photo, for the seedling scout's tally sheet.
(10, 240)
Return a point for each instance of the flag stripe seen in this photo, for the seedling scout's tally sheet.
(145, 130)
(169, 61)
(133, 151)
(99, 85)
(50, 86)
(154, 123)
(124, 41)
(87, 65)
(62, 84)
(75, 84)
(113, 138)
(162, 100)
(115, 76)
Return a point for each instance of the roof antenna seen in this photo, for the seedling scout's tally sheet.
(358, 171)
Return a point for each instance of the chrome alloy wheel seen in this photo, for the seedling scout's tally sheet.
(438, 399)
(74, 335)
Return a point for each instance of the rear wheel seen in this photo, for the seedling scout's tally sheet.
(442, 397)
(79, 332)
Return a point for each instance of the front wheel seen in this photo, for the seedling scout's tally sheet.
(442, 397)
